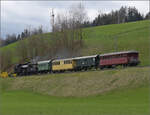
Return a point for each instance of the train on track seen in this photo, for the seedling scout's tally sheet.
(108, 60)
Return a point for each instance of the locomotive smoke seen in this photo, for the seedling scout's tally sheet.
(66, 53)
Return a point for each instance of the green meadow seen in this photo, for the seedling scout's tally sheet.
(125, 102)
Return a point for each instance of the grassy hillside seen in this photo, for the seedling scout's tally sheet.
(109, 38)
(109, 92)
(120, 37)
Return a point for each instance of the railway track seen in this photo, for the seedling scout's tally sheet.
(106, 69)
(90, 70)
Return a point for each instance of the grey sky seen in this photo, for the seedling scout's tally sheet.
(17, 15)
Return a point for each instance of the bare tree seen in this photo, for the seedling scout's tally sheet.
(22, 51)
(68, 33)
(0, 55)
(5, 60)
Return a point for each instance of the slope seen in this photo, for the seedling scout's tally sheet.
(109, 38)
(80, 84)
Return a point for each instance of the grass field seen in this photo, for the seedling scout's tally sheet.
(109, 92)
(125, 102)
(109, 38)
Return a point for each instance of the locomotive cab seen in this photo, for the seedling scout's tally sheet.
(25, 69)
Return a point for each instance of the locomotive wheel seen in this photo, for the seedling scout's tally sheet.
(101, 67)
(85, 69)
(125, 65)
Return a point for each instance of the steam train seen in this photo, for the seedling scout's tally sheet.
(108, 60)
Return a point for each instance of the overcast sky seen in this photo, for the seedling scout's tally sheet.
(17, 15)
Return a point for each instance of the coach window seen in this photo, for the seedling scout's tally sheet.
(67, 62)
(56, 63)
(93, 59)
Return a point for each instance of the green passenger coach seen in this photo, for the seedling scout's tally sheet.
(44, 66)
(86, 62)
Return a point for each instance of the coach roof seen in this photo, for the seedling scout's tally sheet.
(115, 53)
(75, 58)
(42, 62)
(62, 59)
(83, 57)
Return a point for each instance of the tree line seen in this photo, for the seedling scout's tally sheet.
(124, 14)
(11, 38)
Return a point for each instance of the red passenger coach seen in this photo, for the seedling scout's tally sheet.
(125, 58)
